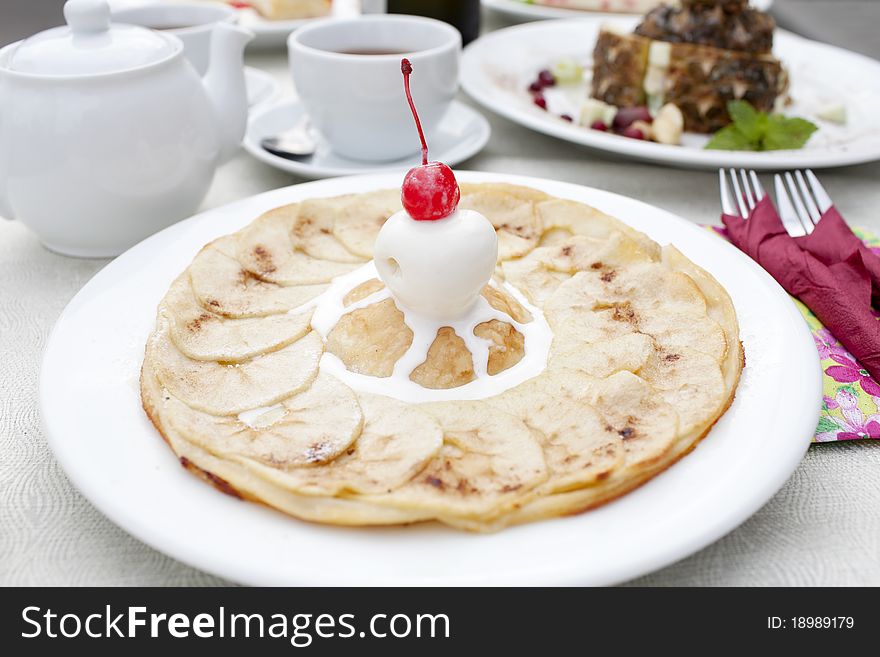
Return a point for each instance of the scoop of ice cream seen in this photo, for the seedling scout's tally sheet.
(437, 268)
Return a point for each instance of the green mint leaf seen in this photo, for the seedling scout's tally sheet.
(752, 130)
(731, 138)
(751, 122)
(785, 134)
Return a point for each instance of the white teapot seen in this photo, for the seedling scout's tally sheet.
(108, 134)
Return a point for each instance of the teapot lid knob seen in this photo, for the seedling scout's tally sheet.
(87, 15)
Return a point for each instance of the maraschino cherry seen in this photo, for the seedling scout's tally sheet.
(433, 256)
(429, 191)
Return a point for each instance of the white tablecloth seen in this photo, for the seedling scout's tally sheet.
(822, 528)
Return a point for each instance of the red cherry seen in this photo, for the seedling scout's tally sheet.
(429, 191)
(599, 125)
(540, 101)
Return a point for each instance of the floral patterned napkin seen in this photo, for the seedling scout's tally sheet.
(851, 402)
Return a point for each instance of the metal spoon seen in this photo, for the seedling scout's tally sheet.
(294, 144)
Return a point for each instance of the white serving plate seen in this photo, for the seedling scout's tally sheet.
(497, 69)
(267, 34)
(527, 11)
(273, 34)
(92, 415)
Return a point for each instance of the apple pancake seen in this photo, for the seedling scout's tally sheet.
(261, 400)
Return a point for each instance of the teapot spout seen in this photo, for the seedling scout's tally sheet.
(225, 84)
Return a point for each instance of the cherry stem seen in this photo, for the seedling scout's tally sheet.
(406, 69)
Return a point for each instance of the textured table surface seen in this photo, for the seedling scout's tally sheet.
(823, 527)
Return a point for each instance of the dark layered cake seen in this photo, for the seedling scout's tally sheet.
(698, 56)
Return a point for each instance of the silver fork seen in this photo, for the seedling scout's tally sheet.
(804, 202)
(745, 194)
(798, 212)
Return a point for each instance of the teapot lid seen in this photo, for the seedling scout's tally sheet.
(90, 45)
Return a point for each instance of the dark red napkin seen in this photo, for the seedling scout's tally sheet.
(833, 241)
(838, 292)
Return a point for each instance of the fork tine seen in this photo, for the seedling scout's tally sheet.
(819, 192)
(747, 190)
(727, 204)
(737, 192)
(802, 214)
(756, 185)
(808, 198)
(786, 210)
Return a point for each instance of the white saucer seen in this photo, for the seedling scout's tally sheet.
(462, 133)
(261, 86)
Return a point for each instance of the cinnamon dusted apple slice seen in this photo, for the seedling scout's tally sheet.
(308, 428)
(358, 222)
(489, 461)
(313, 229)
(629, 352)
(223, 286)
(268, 249)
(676, 318)
(634, 410)
(396, 442)
(581, 219)
(203, 335)
(539, 273)
(690, 381)
(579, 446)
(226, 388)
(514, 217)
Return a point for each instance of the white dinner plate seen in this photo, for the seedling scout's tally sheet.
(497, 69)
(462, 133)
(267, 33)
(529, 11)
(273, 34)
(92, 415)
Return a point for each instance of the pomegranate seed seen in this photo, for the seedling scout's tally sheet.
(536, 87)
(599, 125)
(540, 101)
(633, 133)
(566, 117)
(627, 115)
(546, 78)
(429, 191)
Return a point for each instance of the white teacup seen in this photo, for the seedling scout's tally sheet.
(356, 99)
(191, 23)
